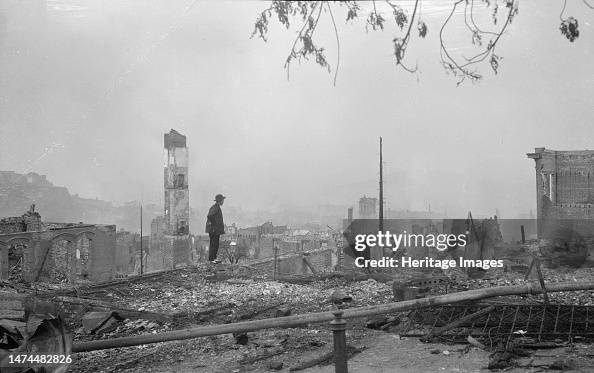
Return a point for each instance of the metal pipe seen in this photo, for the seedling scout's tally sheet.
(318, 317)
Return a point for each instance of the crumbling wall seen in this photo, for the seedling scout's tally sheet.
(123, 260)
(59, 263)
(564, 184)
(565, 201)
(71, 254)
(174, 241)
(175, 175)
(290, 264)
(103, 255)
(12, 225)
(28, 222)
(176, 251)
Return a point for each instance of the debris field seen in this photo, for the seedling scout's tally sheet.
(211, 295)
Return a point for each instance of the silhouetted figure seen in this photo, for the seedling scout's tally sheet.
(215, 227)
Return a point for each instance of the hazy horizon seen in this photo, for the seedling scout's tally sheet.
(89, 88)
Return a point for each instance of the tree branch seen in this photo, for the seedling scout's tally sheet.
(337, 44)
(457, 68)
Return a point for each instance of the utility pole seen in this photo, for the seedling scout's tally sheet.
(381, 190)
(141, 251)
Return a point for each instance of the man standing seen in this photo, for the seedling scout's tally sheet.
(215, 227)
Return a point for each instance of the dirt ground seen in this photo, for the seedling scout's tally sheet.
(388, 353)
(383, 353)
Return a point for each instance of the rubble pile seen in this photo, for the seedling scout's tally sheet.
(210, 295)
(497, 277)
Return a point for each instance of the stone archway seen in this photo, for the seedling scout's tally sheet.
(15, 258)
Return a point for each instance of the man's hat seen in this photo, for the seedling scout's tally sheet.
(219, 198)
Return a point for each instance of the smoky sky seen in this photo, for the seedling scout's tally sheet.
(87, 89)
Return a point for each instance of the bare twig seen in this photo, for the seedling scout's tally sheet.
(563, 10)
(337, 43)
(458, 68)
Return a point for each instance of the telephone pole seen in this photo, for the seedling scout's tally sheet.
(381, 189)
(141, 251)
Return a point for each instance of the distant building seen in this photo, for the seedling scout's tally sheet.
(367, 208)
(346, 222)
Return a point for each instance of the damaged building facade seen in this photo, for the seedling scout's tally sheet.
(33, 251)
(565, 198)
(564, 184)
(170, 234)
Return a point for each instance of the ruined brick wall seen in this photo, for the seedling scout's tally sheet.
(125, 252)
(59, 263)
(564, 185)
(265, 248)
(175, 172)
(564, 179)
(176, 251)
(103, 254)
(12, 225)
(175, 243)
(156, 258)
(82, 253)
(181, 251)
(287, 247)
(82, 257)
(67, 260)
(322, 260)
(28, 222)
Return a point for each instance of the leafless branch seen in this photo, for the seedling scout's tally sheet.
(563, 10)
(476, 28)
(337, 44)
(462, 69)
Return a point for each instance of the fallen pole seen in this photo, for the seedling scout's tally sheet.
(439, 331)
(319, 317)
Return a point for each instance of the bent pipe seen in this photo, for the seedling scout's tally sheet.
(319, 317)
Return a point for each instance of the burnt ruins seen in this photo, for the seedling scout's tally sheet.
(89, 274)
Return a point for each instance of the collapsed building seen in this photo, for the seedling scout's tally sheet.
(31, 250)
(273, 249)
(170, 234)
